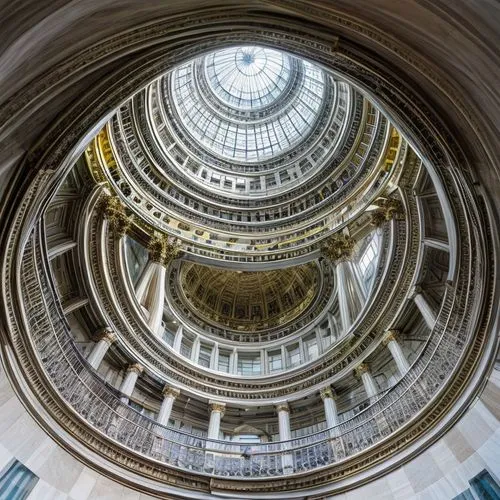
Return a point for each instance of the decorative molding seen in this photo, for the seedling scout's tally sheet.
(390, 336)
(171, 392)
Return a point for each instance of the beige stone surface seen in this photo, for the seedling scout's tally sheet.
(36, 35)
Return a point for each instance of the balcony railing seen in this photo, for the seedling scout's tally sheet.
(99, 405)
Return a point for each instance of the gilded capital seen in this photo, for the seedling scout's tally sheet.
(106, 334)
(135, 368)
(283, 407)
(217, 406)
(360, 369)
(113, 210)
(338, 248)
(327, 392)
(388, 208)
(163, 249)
(171, 392)
(390, 336)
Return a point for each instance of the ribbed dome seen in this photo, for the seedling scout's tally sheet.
(248, 103)
(249, 301)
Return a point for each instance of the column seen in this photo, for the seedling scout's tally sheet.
(169, 395)
(106, 338)
(233, 361)
(285, 434)
(331, 325)
(128, 384)
(216, 413)
(195, 350)
(331, 413)
(363, 371)
(424, 307)
(345, 316)
(214, 357)
(390, 340)
(435, 243)
(178, 339)
(151, 294)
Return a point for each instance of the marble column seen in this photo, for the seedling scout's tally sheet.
(349, 294)
(285, 434)
(128, 384)
(436, 243)
(424, 307)
(331, 325)
(216, 413)
(330, 405)
(195, 350)
(106, 338)
(345, 315)
(390, 340)
(178, 339)
(363, 372)
(151, 294)
(169, 395)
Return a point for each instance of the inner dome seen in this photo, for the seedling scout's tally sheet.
(246, 300)
(248, 103)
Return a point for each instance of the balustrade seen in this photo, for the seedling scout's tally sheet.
(100, 405)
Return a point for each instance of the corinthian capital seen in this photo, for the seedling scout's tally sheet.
(163, 249)
(338, 248)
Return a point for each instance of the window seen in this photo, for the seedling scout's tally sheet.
(186, 347)
(293, 355)
(275, 361)
(465, 495)
(367, 258)
(249, 364)
(205, 355)
(223, 364)
(311, 347)
(169, 337)
(16, 481)
(485, 486)
(246, 82)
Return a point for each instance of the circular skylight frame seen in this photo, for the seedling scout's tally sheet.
(259, 139)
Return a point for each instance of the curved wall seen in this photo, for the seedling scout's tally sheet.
(458, 42)
(440, 473)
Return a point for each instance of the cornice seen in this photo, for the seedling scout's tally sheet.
(470, 293)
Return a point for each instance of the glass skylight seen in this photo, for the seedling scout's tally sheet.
(248, 78)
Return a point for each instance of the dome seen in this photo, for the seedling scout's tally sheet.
(249, 300)
(249, 253)
(248, 103)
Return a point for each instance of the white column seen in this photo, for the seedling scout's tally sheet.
(195, 350)
(178, 339)
(331, 325)
(424, 307)
(357, 284)
(214, 357)
(169, 395)
(216, 413)
(142, 286)
(128, 384)
(345, 316)
(285, 434)
(390, 339)
(106, 338)
(233, 361)
(331, 413)
(151, 294)
(363, 371)
(435, 243)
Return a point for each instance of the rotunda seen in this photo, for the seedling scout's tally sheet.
(255, 262)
